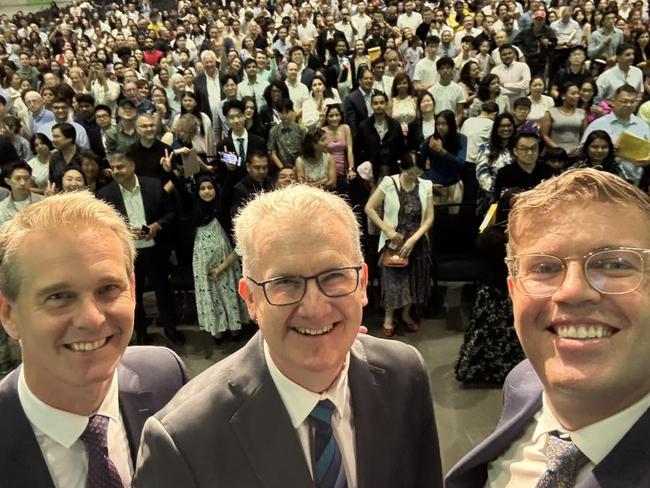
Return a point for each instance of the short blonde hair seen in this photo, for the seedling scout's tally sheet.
(579, 186)
(73, 209)
(274, 214)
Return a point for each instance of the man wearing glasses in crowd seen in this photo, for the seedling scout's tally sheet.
(307, 402)
(576, 412)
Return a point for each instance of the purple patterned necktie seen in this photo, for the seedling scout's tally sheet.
(563, 461)
(102, 473)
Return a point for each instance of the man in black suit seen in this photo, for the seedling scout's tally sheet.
(208, 87)
(234, 151)
(146, 206)
(357, 104)
(330, 33)
(257, 180)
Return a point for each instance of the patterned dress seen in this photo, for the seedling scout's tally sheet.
(409, 285)
(217, 304)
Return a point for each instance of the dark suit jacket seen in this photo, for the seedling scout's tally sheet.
(158, 206)
(201, 89)
(321, 41)
(380, 152)
(148, 378)
(229, 427)
(355, 110)
(626, 466)
(306, 77)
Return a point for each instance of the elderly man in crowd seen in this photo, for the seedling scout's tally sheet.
(72, 414)
(576, 412)
(248, 421)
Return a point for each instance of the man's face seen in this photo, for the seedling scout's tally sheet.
(103, 119)
(148, 43)
(146, 128)
(236, 119)
(446, 36)
(86, 110)
(258, 168)
(408, 7)
(378, 105)
(19, 182)
(73, 327)
(608, 21)
(624, 104)
(488, 25)
(126, 114)
(446, 73)
(439, 16)
(292, 72)
(507, 56)
(61, 111)
(611, 368)
(24, 61)
(34, 102)
(626, 59)
(121, 170)
(210, 65)
(367, 81)
(577, 57)
(527, 150)
(299, 354)
(520, 114)
(251, 70)
(261, 60)
(72, 180)
(298, 57)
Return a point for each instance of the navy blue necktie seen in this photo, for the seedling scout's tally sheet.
(242, 152)
(328, 464)
(102, 473)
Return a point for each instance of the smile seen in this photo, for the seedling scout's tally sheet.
(314, 332)
(583, 332)
(87, 346)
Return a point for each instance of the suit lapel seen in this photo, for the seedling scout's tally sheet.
(134, 406)
(119, 200)
(21, 459)
(262, 424)
(369, 410)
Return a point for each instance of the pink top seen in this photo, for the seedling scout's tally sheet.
(338, 150)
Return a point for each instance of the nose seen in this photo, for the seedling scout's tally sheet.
(575, 289)
(89, 314)
(314, 304)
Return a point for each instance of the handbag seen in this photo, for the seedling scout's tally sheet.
(390, 256)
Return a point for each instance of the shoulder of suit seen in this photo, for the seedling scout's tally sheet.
(386, 354)
(144, 359)
(522, 381)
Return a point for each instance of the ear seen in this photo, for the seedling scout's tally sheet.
(7, 317)
(363, 284)
(511, 285)
(246, 293)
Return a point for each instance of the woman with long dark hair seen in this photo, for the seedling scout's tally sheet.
(275, 92)
(562, 126)
(492, 156)
(316, 167)
(424, 124)
(489, 90)
(598, 152)
(252, 117)
(445, 151)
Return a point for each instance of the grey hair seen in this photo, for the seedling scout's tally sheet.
(71, 210)
(275, 213)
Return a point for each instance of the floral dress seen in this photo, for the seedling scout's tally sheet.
(217, 303)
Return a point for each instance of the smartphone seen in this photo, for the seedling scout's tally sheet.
(231, 158)
(145, 229)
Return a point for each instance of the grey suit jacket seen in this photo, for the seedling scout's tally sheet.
(626, 466)
(148, 378)
(229, 427)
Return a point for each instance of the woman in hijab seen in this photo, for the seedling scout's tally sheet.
(215, 266)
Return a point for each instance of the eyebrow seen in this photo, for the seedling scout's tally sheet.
(64, 285)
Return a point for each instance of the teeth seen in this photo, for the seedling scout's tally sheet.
(313, 332)
(583, 332)
(87, 346)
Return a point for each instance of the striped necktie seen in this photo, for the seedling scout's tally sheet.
(563, 462)
(328, 466)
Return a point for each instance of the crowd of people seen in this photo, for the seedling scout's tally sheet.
(177, 117)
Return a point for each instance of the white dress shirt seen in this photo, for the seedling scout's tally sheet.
(612, 78)
(299, 403)
(58, 434)
(524, 463)
(214, 93)
(135, 211)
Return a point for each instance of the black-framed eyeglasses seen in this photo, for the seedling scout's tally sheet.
(611, 271)
(289, 290)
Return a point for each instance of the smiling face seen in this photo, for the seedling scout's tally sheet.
(610, 369)
(207, 193)
(73, 327)
(297, 353)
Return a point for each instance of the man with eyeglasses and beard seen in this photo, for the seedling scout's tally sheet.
(577, 411)
(307, 402)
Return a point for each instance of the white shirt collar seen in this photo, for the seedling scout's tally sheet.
(299, 401)
(136, 188)
(61, 426)
(598, 439)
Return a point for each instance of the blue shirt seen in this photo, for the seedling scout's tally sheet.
(36, 123)
(610, 124)
(445, 168)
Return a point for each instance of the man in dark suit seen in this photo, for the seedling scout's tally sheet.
(577, 411)
(331, 34)
(358, 104)
(208, 86)
(306, 402)
(67, 295)
(255, 181)
(234, 151)
(147, 208)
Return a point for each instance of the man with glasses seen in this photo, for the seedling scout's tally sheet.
(576, 412)
(307, 402)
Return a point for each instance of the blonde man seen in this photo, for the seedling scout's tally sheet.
(75, 409)
(306, 380)
(577, 411)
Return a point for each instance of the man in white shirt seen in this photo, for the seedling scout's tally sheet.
(624, 73)
(306, 29)
(478, 129)
(577, 411)
(298, 91)
(75, 408)
(514, 75)
(346, 26)
(448, 94)
(360, 21)
(252, 85)
(409, 19)
(425, 73)
(307, 379)
(569, 35)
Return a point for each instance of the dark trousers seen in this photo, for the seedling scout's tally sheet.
(152, 264)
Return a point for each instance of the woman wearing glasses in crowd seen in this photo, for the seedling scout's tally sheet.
(407, 202)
